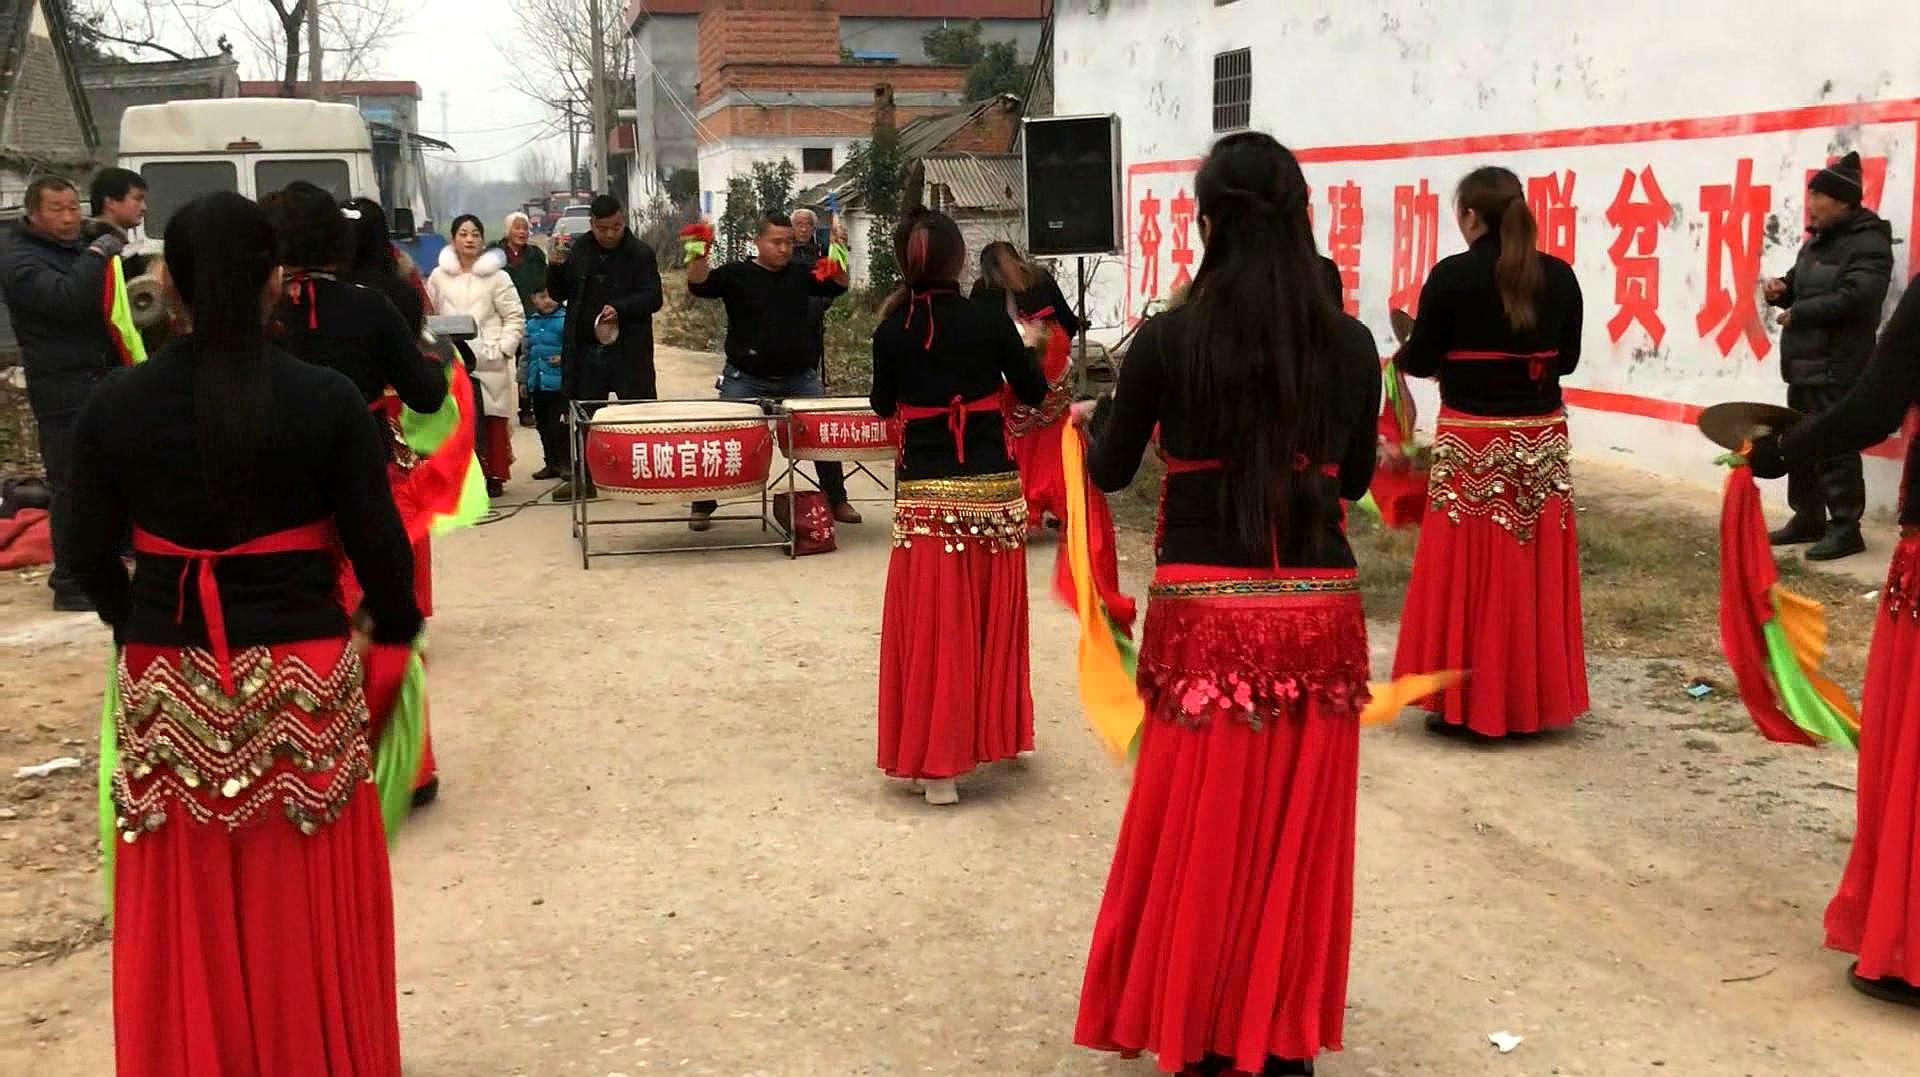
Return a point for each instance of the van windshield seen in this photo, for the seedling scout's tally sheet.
(327, 173)
(172, 184)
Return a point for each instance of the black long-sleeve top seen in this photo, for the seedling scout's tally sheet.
(973, 354)
(1460, 312)
(1869, 412)
(1198, 526)
(358, 332)
(1045, 293)
(137, 463)
(768, 315)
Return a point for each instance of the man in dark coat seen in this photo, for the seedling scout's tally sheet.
(614, 280)
(53, 283)
(1831, 302)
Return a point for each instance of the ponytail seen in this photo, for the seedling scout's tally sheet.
(929, 249)
(220, 255)
(1495, 196)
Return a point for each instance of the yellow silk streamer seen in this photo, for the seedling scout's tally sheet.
(1805, 623)
(1391, 698)
(1107, 693)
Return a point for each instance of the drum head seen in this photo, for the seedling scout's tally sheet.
(1735, 424)
(855, 404)
(680, 411)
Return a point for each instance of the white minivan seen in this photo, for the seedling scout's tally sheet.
(251, 145)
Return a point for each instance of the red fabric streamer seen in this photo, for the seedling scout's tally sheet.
(1747, 577)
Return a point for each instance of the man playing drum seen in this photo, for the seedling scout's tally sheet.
(771, 349)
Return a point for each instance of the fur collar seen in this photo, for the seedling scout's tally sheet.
(490, 262)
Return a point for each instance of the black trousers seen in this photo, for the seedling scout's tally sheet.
(600, 373)
(550, 417)
(1833, 489)
(56, 452)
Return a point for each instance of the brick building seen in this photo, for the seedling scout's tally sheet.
(671, 68)
(114, 85)
(45, 124)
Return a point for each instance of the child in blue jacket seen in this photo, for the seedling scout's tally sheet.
(546, 332)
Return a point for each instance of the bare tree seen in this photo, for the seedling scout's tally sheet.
(550, 61)
(538, 172)
(353, 33)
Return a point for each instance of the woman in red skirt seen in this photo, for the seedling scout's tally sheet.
(1222, 941)
(1030, 297)
(953, 640)
(332, 314)
(253, 918)
(1496, 578)
(1876, 914)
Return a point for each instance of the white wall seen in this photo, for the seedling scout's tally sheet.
(720, 161)
(1387, 96)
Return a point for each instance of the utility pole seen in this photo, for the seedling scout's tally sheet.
(597, 97)
(315, 87)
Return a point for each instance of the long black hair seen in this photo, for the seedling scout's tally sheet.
(221, 254)
(1259, 322)
(306, 219)
(929, 249)
(375, 264)
(1494, 195)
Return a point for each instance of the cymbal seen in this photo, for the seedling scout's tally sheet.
(1736, 423)
(1402, 325)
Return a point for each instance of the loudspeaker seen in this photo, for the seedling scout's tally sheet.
(1073, 185)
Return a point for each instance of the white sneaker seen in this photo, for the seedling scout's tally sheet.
(942, 792)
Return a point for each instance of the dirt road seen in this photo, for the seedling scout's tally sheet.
(663, 847)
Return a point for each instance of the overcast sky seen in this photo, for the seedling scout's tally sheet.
(452, 48)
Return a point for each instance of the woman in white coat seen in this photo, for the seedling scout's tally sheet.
(473, 281)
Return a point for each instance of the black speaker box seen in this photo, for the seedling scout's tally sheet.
(1073, 185)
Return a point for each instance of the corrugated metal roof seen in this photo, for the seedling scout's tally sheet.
(976, 181)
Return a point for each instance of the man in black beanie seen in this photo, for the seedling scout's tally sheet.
(1830, 303)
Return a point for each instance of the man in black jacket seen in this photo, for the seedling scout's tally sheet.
(1831, 302)
(53, 284)
(612, 281)
(772, 350)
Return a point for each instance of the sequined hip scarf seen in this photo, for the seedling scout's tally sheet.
(289, 740)
(1252, 645)
(986, 512)
(1902, 595)
(1508, 470)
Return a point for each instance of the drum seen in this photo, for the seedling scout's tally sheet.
(680, 451)
(840, 428)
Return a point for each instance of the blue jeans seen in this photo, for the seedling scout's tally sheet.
(736, 384)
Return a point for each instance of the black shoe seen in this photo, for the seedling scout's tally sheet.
(1287, 1067)
(496, 489)
(1887, 990)
(72, 602)
(427, 793)
(527, 420)
(1798, 532)
(565, 493)
(1842, 540)
(546, 474)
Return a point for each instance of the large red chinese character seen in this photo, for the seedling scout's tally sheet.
(1550, 197)
(1182, 208)
(1736, 214)
(1416, 239)
(1149, 245)
(1873, 181)
(1343, 240)
(1636, 276)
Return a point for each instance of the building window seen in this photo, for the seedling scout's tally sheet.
(816, 160)
(1233, 90)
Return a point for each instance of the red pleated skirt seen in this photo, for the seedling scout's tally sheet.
(954, 689)
(253, 948)
(1044, 483)
(1876, 913)
(1228, 913)
(1496, 577)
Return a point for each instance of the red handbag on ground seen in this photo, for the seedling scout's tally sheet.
(812, 526)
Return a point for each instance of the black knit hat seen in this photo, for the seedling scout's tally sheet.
(1840, 180)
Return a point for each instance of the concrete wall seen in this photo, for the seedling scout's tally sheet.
(1717, 101)
(901, 35)
(668, 45)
